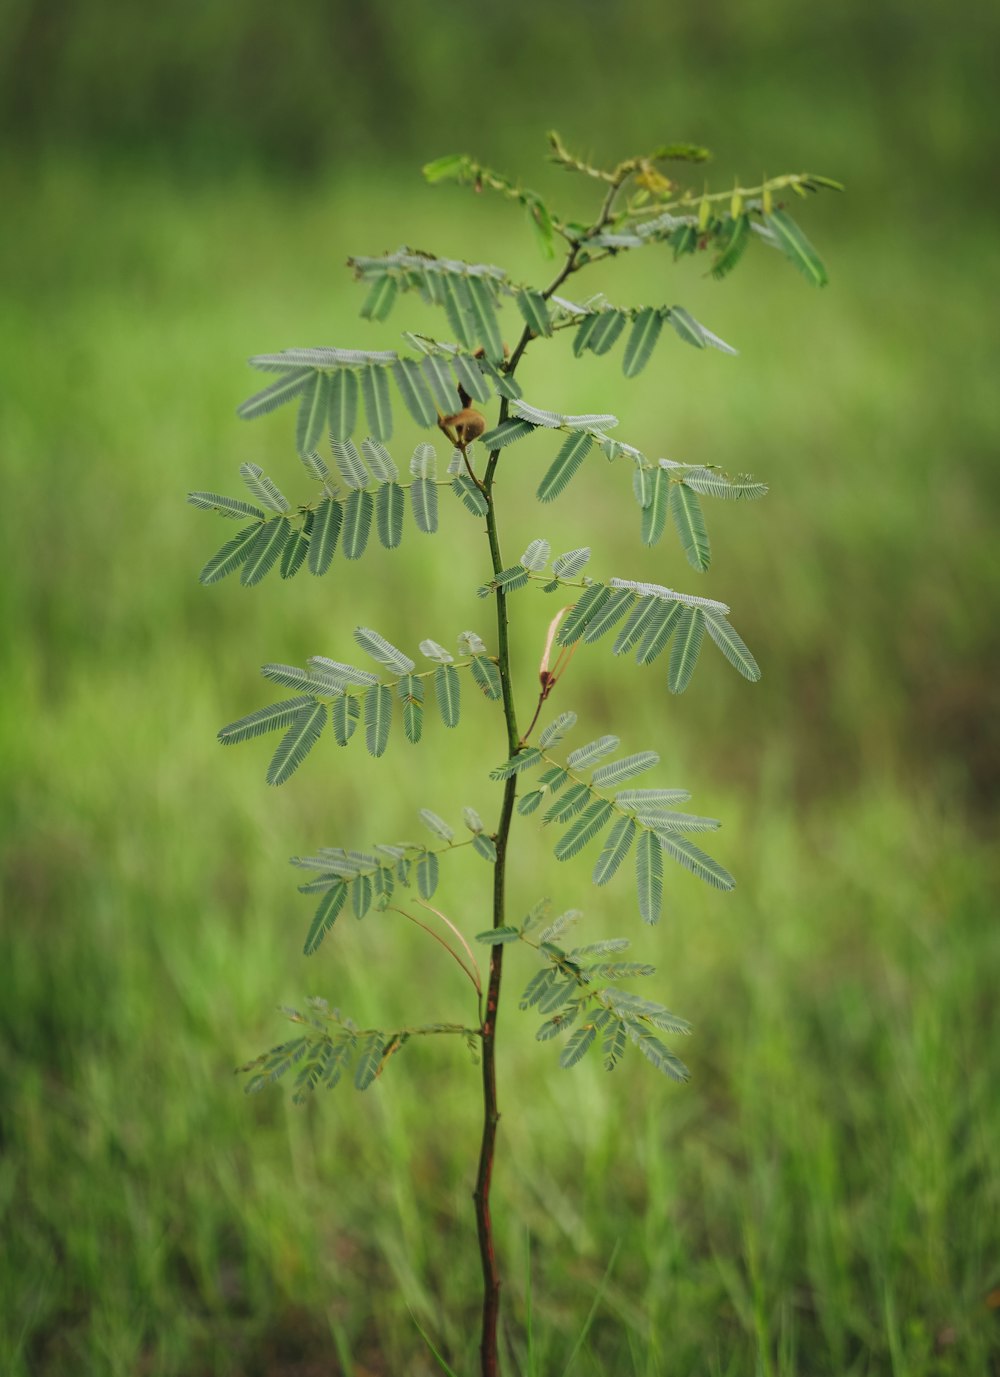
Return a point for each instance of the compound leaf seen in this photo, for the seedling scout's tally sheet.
(684, 652)
(414, 391)
(326, 915)
(448, 692)
(797, 247)
(732, 645)
(378, 409)
(627, 768)
(287, 387)
(686, 512)
(314, 410)
(264, 720)
(571, 455)
(587, 826)
(345, 711)
(231, 556)
(641, 341)
(298, 741)
(383, 651)
(343, 413)
(323, 540)
(389, 508)
(694, 859)
(265, 550)
(424, 500)
(378, 717)
(649, 876)
(357, 523)
(617, 845)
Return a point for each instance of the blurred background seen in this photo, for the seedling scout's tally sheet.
(181, 188)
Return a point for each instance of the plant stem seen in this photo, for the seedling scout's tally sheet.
(488, 1353)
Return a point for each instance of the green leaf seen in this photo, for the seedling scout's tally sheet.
(287, 387)
(383, 651)
(613, 1045)
(571, 455)
(433, 651)
(587, 826)
(428, 873)
(447, 169)
(572, 801)
(527, 803)
(343, 404)
(457, 303)
(538, 986)
(660, 627)
(378, 718)
(485, 316)
(349, 465)
(289, 676)
(536, 556)
(687, 327)
(326, 915)
(506, 433)
(323, 540)
(389, 507)
(712, 484)
(797, 247)
(658, 1054)
(301, 736)
(617, 845)
(411, 693)
(570, 563)
(485, 846)
(361, 895)
(734, 247)
(369, 1059)
(470, 496)
(496, 937)
(448, 692)
(686, 512)
(424, 500)
(627, 768)
(654, 515)
(592, 752)
(265, 550)
(684, 653)
(649, 876)
(380, 461)
(642, 615)
(732, 645)
(437, 825)
(535, 311)
(666, 822)
(694, 859)
(294, 554)
(577, 1046)
(263, 488)
(230, 507)
(486, 676)
(375, 390)
(650, 798)
(314, 409)
(414, 392)
(231, 556)
(642, 484)
(605, 333)
(642, 341)
(583, 332)
(590, 601)
(606, 617)
(357, 522)
(264, 720)
(439, 380)
(510, 580)
(470, 379)
(345, 712)
(526, 759)
(423, 462)
(379, 301)
(557, 729)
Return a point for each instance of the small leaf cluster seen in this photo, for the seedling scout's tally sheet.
(566, 991)
(370, 879)
(645, 818)
(347, 695)
(332, 1046)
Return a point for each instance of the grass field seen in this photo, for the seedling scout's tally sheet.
(822, 1198)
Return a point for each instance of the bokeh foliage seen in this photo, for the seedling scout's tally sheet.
(183, 190)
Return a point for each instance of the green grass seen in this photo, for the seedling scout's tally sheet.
(822, 1198)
